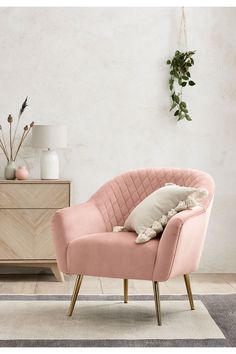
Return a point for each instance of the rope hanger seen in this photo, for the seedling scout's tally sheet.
(182, 37)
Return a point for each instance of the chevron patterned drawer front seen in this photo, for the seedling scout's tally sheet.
(26, 209)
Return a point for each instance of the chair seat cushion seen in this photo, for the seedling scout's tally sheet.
(112, 254)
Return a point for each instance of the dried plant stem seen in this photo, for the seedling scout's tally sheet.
(23, 107)
(17, 125)
(24, 136)
(20, 143)
(10, 141)
(4, 142)
(4, 150)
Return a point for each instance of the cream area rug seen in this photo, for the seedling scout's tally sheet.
(46, 319)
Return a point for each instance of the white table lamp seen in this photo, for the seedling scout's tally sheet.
(49, 137)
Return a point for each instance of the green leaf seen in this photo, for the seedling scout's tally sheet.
(168, 62)
(191, 83)
(176, 74)
(182, 104)
(173, 106)
(188, 117)
(184, 84)
(185, 78)
(176, 113)
(188, 74)
(176, 99)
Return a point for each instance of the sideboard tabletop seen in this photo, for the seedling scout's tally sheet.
(32, 181)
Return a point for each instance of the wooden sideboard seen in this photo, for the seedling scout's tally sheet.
(26, 210)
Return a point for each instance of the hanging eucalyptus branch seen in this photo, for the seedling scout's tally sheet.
(180, 74)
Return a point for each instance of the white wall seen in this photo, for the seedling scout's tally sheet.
(103, 72)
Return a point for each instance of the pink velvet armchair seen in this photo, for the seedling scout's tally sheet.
(86, 245)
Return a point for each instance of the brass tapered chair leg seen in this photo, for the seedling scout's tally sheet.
(125, 291)
(189, 291)
(75, 294)
(157, 301)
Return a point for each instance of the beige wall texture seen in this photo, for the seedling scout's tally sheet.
(103, 72)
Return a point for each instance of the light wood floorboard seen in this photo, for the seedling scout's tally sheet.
(231, 279)
(202, 283)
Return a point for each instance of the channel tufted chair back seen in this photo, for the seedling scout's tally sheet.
(118, 197)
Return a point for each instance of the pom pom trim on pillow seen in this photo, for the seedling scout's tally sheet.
(158, 226)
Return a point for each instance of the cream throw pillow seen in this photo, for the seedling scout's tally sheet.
(150, 216)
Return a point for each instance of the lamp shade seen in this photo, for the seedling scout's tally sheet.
(49, 136)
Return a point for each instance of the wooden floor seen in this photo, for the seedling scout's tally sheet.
(46, 284)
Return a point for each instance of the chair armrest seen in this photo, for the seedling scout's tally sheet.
(72, 222)
(181, 244)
